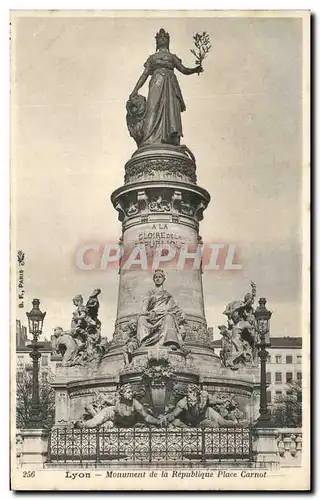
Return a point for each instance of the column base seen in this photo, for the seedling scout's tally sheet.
(265, 448)
(34, 448)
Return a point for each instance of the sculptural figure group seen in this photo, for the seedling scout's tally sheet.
(239, 338)
(119, 410)
(160, 323)
(82, 344)
(196, 408)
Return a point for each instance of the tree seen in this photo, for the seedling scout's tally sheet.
(24, 397)
(287, 410)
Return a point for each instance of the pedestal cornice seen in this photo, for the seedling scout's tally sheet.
(170, 201)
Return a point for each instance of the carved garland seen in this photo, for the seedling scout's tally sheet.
(198, 333)
(175, 166)
(120, 335)
(225, 391)
(90, 391)
(194, 333)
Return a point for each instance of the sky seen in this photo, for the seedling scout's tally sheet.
(71, 77)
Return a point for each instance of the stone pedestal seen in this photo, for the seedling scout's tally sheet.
(34, 448)
(265, 447)
(160, 207)
(75, 387)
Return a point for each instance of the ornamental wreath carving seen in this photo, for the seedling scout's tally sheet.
(149, 167)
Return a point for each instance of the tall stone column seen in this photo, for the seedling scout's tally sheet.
(160, 204)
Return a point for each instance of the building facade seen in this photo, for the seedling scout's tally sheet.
(284, 366)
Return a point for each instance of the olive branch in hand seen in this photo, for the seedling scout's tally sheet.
(202, 47)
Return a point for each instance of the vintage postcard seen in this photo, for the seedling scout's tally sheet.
(159, 250)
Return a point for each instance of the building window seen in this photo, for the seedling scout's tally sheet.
(44, 360)
(299, 359)
(289, 377)
(278, 394)
(289, 393)
(268, 377)
(268, 396)
(289, 360)
(278, 359)
(278, 378)
(299, 376)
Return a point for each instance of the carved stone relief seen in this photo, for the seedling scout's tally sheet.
(173, 168)
(167, 200)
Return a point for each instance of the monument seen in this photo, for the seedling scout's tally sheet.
(160, 369)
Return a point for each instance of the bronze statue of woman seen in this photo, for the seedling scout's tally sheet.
(162, 119)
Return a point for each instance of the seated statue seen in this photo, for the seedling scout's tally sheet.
(196, 409)
(160, 317)
(122, 411)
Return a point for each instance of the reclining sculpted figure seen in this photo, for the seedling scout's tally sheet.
(123, 410)
(197, 408)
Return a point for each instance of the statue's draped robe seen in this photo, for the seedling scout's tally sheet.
(163, 328)
(165, 102)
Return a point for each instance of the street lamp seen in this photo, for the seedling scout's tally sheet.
(35, 320)
(263, 316)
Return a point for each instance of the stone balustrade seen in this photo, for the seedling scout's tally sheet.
(289, 443)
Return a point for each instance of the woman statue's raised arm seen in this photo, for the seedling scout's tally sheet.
(187, 71)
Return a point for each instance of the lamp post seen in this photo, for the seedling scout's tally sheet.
(263, 316)
(35, 320)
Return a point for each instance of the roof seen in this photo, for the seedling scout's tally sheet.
(292, 342)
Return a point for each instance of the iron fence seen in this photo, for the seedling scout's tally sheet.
(150, 445)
